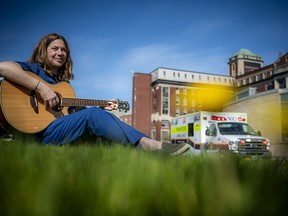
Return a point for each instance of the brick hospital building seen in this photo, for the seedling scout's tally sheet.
(260, 91)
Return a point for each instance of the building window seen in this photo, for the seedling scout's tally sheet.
(165, 100)
(154, 134)
(165, 123)
(165, 106)
(177, 100)
(177, 111)
(184, 111)
(184, 101)
(154, 103)
(165, 91)
(177, 91)
(243, 94)
(164, 73)
(165, 135)
(269, 85)
(252, 64)
(233, 70)
(282, 83)
(193, 103)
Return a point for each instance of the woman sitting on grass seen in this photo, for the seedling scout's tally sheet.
(52, 62)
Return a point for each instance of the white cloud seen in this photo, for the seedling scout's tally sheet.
(112, 77)
(147, 58)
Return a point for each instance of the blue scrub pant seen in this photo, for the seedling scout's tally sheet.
(96, 121)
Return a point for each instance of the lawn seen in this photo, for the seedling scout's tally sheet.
(104, 179)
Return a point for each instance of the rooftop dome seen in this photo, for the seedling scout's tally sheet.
(245, 52)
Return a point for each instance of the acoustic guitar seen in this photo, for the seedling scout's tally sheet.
(24, 109)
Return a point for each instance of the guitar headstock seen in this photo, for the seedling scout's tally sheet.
(123, 105)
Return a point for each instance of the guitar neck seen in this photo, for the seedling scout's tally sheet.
(67, 102)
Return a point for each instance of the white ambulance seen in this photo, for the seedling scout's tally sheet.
(219, 132)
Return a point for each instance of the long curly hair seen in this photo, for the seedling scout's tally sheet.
(39, 56)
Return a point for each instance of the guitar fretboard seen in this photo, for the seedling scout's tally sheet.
(67, 102)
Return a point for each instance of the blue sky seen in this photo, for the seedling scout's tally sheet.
(111, 39)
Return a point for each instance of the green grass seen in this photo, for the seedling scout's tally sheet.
(116, 180)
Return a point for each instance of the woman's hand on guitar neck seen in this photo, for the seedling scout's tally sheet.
(112, 105)
(48, 95)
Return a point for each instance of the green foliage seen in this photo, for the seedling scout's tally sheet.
(115, 180)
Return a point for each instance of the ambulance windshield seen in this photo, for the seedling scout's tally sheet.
(235, 128)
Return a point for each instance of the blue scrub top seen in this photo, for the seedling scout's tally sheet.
(37, 69)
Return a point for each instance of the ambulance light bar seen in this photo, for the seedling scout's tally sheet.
(241, 119)
(218, 118)
(227, 118)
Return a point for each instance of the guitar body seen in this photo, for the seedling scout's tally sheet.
(19, 111)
